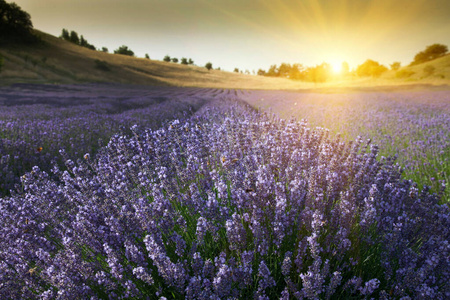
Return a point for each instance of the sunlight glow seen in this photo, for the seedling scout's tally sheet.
(336, 67)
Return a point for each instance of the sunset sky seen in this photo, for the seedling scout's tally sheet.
(251, 34)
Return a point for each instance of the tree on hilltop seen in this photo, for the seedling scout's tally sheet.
(65, 35)
(124, 51)
(167, 58)
(184, 61)
(15, 24)
(175, 60)
(208, 66)
(370, 68)
(395, 66)
(431, 52)
(74, 37)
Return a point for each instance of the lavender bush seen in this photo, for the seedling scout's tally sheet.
(227, 204)
(413, 125)
(36, 121)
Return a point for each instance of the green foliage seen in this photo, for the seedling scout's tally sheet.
(124, 51)
(167, 58)
(236, 70)
(104, 49)
(431, 52)
(429, 70)
(370, 68)
(184, 61)
(84, 43)
(15, 24)
(75, 39)
(191, 62)
(175, 60)
(102, 65)
(147, 56)
(395, 66)
(319, 73)
(208, 66)
(65, 35)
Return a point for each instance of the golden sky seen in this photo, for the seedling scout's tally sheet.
(251, 34)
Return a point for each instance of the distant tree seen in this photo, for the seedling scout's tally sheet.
(191, 62)
(370, 68)
(236, 70)
(65, 34)
(15, 24)
(147, 56)
(184, 61)
(166, 58)
(430, 52)
(208, 66)
(395, 65)
(319, 73)
(218, 69)
(273, 71)
(104, 49)
(261, 72)
(74, 37)
(124, 51)
(175, 60)
(84, 43)
(429, 70)
(345, 68)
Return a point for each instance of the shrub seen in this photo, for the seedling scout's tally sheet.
(147, 56)
(395, 66)
(104, 49)
(102, 65)
(404, 73)
(184, 61)
(124, 51)
(167, 58)
(175, 60)
(231, 204)
(208, 66)
(429, 70)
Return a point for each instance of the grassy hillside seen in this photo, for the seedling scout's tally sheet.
(58, 61)
(438, 74)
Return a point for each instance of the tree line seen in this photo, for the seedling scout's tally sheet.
(370, 68)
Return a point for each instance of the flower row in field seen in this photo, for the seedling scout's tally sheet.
(228, 204)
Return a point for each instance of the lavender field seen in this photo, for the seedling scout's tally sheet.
(195, 194)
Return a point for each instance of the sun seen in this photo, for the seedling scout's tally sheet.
(336, 67)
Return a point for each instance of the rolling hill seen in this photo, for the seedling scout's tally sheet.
(59, 61)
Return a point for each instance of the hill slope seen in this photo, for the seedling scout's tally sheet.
(58, 61)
